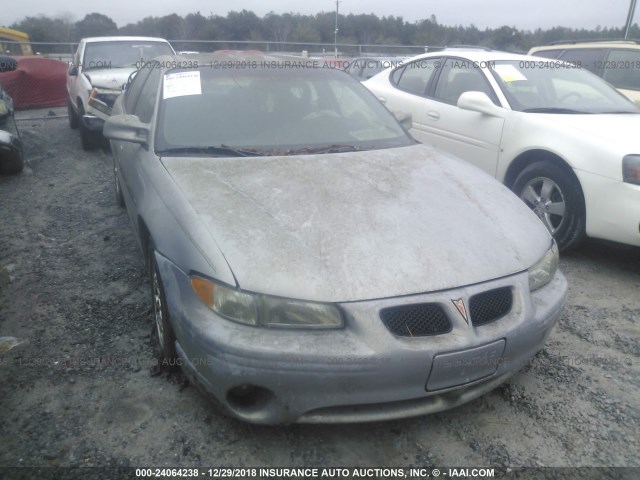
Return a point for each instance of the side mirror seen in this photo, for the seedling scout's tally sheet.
(126, 128)
(73, 71)
(481, 103)
(8, 64)
(404, 119)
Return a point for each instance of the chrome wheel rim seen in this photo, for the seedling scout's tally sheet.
(157, 306)
(545, 198)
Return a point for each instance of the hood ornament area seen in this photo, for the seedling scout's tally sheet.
(459, 303)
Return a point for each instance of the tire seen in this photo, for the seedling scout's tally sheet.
(90, 139)
(118, 188)
(74, 119)
(162, 336)
(12, 158)
(12, 163)
(556, 198)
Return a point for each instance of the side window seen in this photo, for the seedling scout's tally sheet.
(414, 77)
(621, 69)
(147, 101)
(459, 76)
(548, 53)
(396, 74)
(589, 58)
(134, 89)
(77, 58)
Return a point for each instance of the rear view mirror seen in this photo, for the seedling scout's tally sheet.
(404, 119)
(126, 128)
(481, 103)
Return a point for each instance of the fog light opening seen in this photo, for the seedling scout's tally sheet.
(249, 397)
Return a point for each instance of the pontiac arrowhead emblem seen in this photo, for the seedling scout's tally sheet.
(459, 303)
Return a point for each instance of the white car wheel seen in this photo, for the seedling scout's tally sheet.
(556, 198)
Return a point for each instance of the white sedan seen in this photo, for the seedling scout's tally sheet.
(561, 138)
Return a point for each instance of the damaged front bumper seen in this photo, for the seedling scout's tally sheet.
(10, 145)
(92, 122)
(99, 107)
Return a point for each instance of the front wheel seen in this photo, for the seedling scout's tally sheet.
(556, 198)
(90, 140)
(118, 188)
(163, 336)
(12, 158)
(12, 162)
(74, 119)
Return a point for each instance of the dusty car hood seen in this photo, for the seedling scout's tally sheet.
(112, 78)
(360, 225)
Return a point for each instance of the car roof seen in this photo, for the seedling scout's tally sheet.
(123, 39)
(588, 44)
(379, 57)
(476, 55)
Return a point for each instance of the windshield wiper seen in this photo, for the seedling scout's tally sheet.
(554, 110)
(336, 148)
(214, 150)
(619, 112)
(226, 151)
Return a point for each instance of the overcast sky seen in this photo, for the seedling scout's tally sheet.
(522, 14)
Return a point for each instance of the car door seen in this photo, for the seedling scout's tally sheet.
(73, 76)
(470, 135)
(139, 101)
(407, 91)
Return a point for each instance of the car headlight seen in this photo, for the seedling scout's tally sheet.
(631, 169)
(265, 310)
(543, 271)
(102, 100)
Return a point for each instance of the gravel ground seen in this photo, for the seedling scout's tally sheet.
(82, 390)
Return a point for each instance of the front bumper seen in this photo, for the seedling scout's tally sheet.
(10, 143)
(92, 122)
(613, 208)
(361, 372)
(100, 103)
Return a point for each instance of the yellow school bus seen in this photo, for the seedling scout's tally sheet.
(22, 48)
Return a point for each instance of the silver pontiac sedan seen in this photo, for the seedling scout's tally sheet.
(309, 261)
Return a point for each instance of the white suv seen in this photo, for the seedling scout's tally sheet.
(100, 68)
(561, 138)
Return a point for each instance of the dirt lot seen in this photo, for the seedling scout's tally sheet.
(82, 391)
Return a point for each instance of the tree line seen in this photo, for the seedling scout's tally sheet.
(291, 27)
